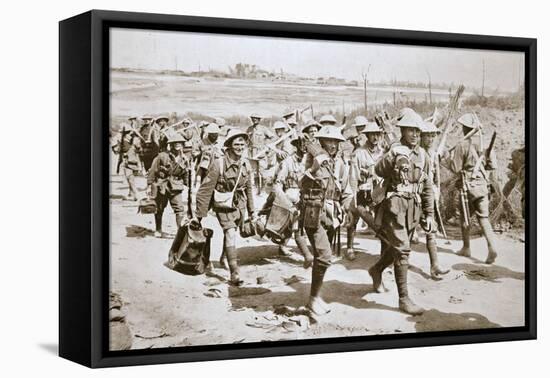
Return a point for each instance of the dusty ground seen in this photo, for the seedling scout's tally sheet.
(165, 308)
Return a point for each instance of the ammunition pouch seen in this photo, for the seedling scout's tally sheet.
(175, 184)
(313, 204)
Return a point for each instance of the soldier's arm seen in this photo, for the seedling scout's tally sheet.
(204, 194)
(384, 167)
(427, 195)
(281, 176)
(152, 175)
(456, 159)
(354, 173)
(248, 190)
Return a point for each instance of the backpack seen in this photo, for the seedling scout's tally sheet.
(190, 250)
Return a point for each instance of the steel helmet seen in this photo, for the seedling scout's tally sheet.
(409, 118)
(372, 127)
(429, 127)
(234, 133)
(469, 120)
(360, 121)
(329, 119)
(279, 125)
(212, 128)
(330, 132)
(311, 123)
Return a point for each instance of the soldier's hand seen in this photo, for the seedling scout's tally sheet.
(195, 223)
(428, 224)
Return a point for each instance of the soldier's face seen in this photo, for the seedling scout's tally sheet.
(255, 121)
(213, 137)
(187, 134)
(311, 132)
(330, 146)
(428, 140)
(361, 139)
(280, 132)
(238, 146)
(162, 123)
(411, 135)
(177, 147)
(374, 138)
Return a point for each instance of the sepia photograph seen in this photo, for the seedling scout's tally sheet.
(274, 189)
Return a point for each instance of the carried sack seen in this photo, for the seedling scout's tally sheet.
(280, 219)
(190, 250)
(147, 206)
(224, 200)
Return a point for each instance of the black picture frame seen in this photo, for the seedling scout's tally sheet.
(84, 201)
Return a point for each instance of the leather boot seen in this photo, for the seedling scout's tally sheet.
(158, 225)
(375, 271)
(233, 266)
(405, 303)
(316, 304)
(465, 251)
(301, 241)
(435, 270)
(490, 237)
(350, 253)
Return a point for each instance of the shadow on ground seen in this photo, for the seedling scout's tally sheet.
(491, 273)
(134, 231)
(435, 320)
(261, 299)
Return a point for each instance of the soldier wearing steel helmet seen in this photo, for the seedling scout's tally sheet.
(258, 137)
(363, 180)
(230, 173)
(428, 135)
(321, 211)
(408, 202)
(469, 163)
(127, 148)
(149, 145)
(209, 150)
(159, 132)
(287, 183)
(167, 179)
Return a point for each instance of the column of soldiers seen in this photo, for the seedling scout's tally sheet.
(331, 181)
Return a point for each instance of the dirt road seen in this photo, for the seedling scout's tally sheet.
(165, 308)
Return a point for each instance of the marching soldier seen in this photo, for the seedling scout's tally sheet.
(470, 163)
(282, 148)
(360, 123)
(405, 169)
(363, 180)
(202, 126)
(127, 149)
(227, 187)
(149, 146)
(289, 174)
(210, 149)
(168, 178)
(159, 135)
(290, 119)
(258, 137)
(310, 130)
(321, 212)
(427, 136)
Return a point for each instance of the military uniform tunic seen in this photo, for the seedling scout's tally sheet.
(169, 174)
(409, 194)
(464, 159)
(327, 177)
(222, 176)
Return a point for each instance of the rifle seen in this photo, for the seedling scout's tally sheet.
(464, 201)
(448, 122)
(121, 149)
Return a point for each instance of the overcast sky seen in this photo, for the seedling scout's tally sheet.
(146, 49)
